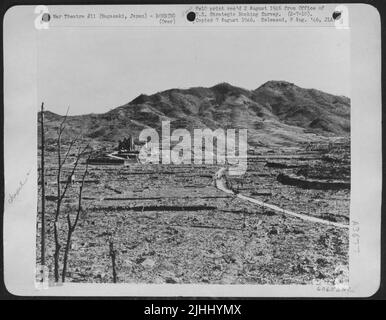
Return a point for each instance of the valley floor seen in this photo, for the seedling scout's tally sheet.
(169, 224)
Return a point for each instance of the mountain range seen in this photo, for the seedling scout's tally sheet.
(276, 113)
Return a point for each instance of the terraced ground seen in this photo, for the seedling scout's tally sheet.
(169, 224)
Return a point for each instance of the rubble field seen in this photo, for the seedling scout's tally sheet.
(169, 224)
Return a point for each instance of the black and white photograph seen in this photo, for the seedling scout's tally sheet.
(198, 154)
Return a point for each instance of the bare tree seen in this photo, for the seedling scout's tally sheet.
(72, 225)
(43, 192)
(61, 193)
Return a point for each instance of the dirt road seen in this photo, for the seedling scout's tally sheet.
(220, 183)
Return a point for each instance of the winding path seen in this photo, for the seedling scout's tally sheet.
(220, 183)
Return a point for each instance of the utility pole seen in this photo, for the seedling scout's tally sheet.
(42, 173)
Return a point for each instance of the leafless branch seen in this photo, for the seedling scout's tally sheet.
(61, 194)
(69, 150)
(71, 226)
(79, 155)
(62, 124)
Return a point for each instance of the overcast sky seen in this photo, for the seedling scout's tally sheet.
(93, 70)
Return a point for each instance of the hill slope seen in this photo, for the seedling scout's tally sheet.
(276, 113)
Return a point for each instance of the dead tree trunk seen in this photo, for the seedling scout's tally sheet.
(61, 194)
(113, 257)
(59, 201)
(71, 226)
(43, 226)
